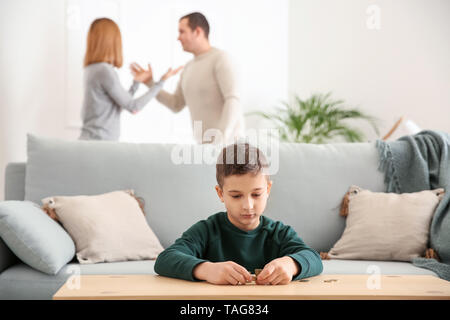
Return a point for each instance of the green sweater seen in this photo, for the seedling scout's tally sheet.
(217, 240)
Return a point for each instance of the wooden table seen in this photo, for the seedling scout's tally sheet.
(322, 287)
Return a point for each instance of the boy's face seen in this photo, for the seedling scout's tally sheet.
(245, 197)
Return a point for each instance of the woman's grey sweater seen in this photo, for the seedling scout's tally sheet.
(104, 100)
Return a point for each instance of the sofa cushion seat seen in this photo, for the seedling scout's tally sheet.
(370, 267)
(23, 282)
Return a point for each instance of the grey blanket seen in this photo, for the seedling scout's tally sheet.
(416, 163)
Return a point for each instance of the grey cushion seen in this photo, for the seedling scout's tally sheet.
(34, 237)
(23, 282)
(306, 194)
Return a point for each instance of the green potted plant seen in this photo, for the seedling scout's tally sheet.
(318, 119)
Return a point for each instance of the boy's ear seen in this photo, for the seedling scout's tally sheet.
(219, 192)
(269, 186)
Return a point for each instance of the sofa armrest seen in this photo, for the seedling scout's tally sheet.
(15, 181)
(7, 257)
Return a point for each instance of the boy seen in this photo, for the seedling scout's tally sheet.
(225, 247)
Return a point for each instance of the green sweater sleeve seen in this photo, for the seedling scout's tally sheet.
(293, 246)
(180, 259)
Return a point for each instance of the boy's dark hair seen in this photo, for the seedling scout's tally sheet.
(196, 19)
(239, 158)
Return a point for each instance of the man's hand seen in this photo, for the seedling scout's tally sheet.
(140, 74)
(227, 272)
(278, 271)
(171, 73)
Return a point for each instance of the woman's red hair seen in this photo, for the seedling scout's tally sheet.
(104, 43)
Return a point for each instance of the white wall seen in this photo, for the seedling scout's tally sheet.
(40, 62)
(401, 69)
(31, 77)
(283, 47)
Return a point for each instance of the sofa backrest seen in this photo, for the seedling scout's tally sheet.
(306, 193)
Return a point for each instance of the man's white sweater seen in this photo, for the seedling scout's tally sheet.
(209, 87)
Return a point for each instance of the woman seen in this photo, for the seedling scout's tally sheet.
(104, 96)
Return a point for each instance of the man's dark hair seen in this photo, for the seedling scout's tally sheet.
(239, 158)
(196, 19)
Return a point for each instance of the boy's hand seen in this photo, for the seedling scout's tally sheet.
(278, 271)
(227, 272)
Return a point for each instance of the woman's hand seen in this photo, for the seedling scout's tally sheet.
(170, 73)
(140, 74)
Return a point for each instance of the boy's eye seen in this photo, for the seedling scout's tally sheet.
(254, 195)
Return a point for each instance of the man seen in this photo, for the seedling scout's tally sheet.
(208, 85)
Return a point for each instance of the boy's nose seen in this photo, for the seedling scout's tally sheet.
(248, 203)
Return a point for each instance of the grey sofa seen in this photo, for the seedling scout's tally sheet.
(306, 194)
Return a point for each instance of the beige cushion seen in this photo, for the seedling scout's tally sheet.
(386, 226)
(106, 228)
